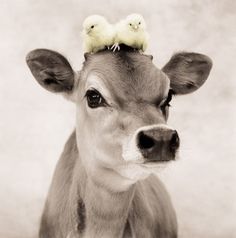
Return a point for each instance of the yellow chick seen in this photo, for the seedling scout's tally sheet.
(97, 34)
(132, 32)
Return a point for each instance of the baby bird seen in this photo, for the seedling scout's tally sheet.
(97, 34)
(132, 32)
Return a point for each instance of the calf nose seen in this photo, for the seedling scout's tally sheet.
(158, 144)
(174, 141)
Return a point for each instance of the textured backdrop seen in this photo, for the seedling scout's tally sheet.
(35, 124)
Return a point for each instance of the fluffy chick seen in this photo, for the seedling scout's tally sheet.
(132, 32)
(97, 34)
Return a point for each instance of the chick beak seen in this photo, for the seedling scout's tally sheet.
(135, 27)
(88, 31)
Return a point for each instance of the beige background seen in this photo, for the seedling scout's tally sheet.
(35, 124)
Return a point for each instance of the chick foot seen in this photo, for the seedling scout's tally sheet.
(115, 47)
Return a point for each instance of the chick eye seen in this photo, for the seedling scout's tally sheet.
(139, 23)
(94, 99)
(92, 26)
(130, 24)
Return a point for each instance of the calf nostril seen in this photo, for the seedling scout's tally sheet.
(174, 141)
(144, 141)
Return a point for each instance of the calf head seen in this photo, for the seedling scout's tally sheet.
(122, 102)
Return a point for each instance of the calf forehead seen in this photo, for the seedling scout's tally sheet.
(129, 76)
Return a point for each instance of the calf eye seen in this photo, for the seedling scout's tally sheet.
(166, 103)
(94, 99)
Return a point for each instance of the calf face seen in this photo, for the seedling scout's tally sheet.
(122, 102)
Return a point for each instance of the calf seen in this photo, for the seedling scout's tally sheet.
(103, 184)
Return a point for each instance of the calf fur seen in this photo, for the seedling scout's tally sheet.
(103, 186)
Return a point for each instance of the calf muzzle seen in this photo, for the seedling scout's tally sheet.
(158, 144)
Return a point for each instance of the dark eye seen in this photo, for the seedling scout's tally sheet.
(139, 23)
(130, 24)
(92, 26)
(95, 99)
(166, 104)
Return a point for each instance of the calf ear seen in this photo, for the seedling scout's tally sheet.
(187, 71)
(51, 70)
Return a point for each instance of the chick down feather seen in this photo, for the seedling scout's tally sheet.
(131, 31)
(97, 34)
